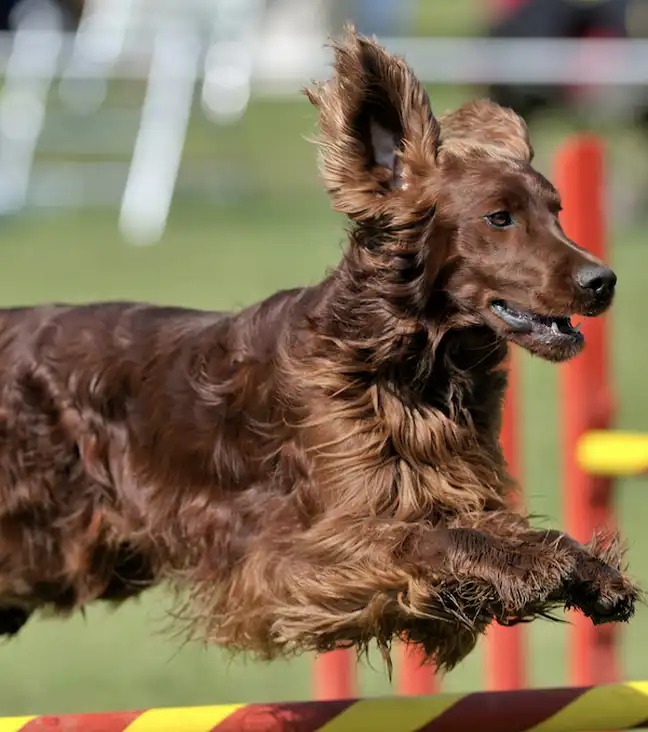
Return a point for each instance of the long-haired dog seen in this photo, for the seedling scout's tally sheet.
(323, 468)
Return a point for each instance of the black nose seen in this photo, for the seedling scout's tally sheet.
(597, 280)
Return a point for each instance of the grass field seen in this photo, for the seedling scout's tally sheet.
(272, 228)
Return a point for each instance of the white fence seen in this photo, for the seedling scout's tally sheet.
(226, 51)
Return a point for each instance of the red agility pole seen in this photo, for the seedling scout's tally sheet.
(414, 678)
(586, 396)
(335, 676)
(506, 647)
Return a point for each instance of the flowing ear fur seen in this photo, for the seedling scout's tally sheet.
(377, 128)
(484, 127)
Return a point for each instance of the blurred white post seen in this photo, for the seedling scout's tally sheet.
(98, 45)
(230, 58)
(31, 66)
(291, 44)
(163, 127)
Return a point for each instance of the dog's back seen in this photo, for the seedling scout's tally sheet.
(68, 375)
(107, 410)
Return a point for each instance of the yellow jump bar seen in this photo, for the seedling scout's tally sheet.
(612, 453)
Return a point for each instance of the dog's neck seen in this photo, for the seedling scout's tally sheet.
(385, 333)
(378, 306)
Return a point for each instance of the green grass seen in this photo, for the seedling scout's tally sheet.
(458, 18)
(277, 231)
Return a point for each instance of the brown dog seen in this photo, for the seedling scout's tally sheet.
(323, 468)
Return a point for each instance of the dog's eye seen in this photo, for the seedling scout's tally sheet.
(500, 220)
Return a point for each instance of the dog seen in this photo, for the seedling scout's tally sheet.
(321, 469)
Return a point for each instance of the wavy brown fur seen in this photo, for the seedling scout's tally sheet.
(323, 468)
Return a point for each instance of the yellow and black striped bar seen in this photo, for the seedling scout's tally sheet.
(615, 706)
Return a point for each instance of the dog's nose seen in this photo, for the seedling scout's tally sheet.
(597, 280)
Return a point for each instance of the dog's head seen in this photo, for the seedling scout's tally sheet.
(489, 232)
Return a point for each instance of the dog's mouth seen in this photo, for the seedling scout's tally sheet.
(549, 329)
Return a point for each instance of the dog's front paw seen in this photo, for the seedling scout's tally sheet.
(602, 592)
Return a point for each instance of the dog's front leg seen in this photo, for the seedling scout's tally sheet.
(347, 582)
(520, 573)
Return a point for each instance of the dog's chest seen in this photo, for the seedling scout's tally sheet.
(442, 449)
(461, 389)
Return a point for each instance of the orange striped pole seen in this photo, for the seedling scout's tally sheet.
(617, 706)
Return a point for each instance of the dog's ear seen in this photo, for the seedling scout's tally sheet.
(377, 127)
(488, 127)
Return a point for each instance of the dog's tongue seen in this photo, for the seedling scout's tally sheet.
(517, 319)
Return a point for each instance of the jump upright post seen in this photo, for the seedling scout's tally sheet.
(586, 396)
(334, 676)
(506, 663)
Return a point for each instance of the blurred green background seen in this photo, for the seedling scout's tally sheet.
(270, 228)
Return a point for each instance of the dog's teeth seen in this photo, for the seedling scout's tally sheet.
(555, 328)
(577, 327)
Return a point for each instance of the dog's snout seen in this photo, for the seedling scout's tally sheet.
(596, 280)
